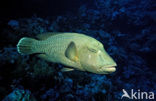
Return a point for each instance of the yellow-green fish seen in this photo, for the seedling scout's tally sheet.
(74, 50)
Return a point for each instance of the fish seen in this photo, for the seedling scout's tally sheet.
(76, 51)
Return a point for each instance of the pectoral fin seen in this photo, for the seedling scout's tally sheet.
(71, 52)
(67, 69)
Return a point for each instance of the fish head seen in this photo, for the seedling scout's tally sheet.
(94, 58)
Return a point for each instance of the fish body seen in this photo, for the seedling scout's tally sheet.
(74, 50)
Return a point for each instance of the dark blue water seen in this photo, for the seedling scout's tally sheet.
(126, 28)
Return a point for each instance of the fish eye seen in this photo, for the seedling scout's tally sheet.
(92, 50)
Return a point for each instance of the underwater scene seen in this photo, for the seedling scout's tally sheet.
(78, 50)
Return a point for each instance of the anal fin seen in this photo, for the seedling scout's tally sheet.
(43, 56)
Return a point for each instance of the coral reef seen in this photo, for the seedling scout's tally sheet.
(19, 95)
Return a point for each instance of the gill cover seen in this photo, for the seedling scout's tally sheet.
(88, 58)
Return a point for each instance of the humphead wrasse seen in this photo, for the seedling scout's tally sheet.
(74, 50)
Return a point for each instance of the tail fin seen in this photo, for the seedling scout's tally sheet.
(25, 45)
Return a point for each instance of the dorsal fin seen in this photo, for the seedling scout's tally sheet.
(71, 52)
(44, 36)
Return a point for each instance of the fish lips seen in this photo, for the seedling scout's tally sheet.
(108, 69)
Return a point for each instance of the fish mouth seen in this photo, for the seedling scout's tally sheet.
(110, 69)
(107, 69)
